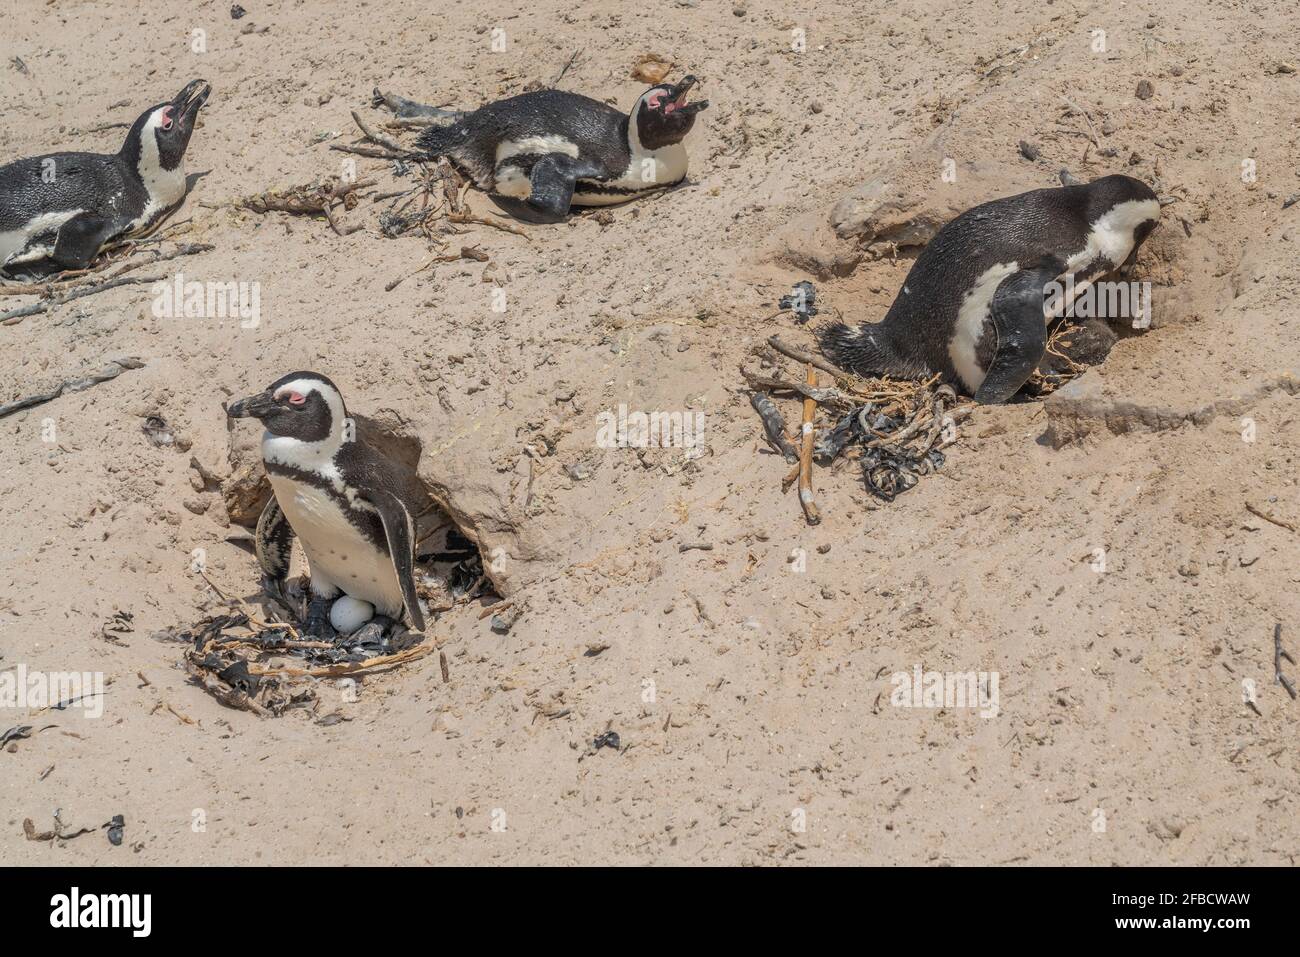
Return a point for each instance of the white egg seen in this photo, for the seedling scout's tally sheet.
(348, 614)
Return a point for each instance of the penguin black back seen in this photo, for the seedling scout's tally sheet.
(973, 291)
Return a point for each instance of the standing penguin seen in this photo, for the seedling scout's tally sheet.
(977, 302)
(352, 509)
(553, 149)
(66, 207)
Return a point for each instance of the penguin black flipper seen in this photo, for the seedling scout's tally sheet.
(1020, 330)
(553, 179)
(81, 238)
(400, 530)
(274, 542)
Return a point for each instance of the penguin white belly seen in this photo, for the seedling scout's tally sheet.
(647, 169)
(973, 320)
(337, 553)
(15, 244)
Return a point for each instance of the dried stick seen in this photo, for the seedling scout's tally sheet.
(1092, 130)
(807, 357)
(384, 141)
(560, 76)
(1260, 513)
(369, 151)
(54, 284)
(349, 667)
(823, 396)
(14, 316)
(110, 371)
(1279, 653)
(773, 425)
(466, 217)
(805, 454)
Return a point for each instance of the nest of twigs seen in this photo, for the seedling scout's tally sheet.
(1062, 367)
(893, 429)
(268, 668)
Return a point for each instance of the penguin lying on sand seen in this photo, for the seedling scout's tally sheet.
(66, 207)
(553, 149)
(352, 509)
(975, 305)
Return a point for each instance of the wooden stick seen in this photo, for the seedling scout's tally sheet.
(110, 371)
(800, 355)
(466, 217)
(369, 152)
(1279, 653)
(384, 141)
(14, 316)
(1269, 518)
(805, 453)
(349, 667)
(493, 609)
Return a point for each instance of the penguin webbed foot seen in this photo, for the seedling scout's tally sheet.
(378, 636)
(405, 109)
(317, 625)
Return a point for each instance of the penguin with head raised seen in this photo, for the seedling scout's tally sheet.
(553, 149)
(977, 302)
(351, 508)
(64, 208)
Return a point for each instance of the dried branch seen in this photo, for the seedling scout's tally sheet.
(805, 453)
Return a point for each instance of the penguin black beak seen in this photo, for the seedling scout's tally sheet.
(253, 406)
(190, 100)
(679, 91)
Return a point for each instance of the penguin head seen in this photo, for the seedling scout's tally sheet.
(162, 133)
(1123, 205)
(663, 117)
(301, 407)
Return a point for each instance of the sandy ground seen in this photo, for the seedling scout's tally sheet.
(750, 684)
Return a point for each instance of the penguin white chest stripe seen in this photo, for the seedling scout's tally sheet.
(337, 552)
(1112, 236)
(14, 243)
(536, 144)
(972, 321)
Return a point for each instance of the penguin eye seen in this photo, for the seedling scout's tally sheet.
(297, 398)
(167, 118)
(653, 100)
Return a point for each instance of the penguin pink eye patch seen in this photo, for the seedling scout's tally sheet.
(295, 398)
(167, 117)
(654, 100)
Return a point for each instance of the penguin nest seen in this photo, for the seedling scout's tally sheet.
(262, 667)
(894, 429)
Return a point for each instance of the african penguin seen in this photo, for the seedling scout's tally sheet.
(352, 509)
(975, 305)
(553, 149)
(65, 207)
